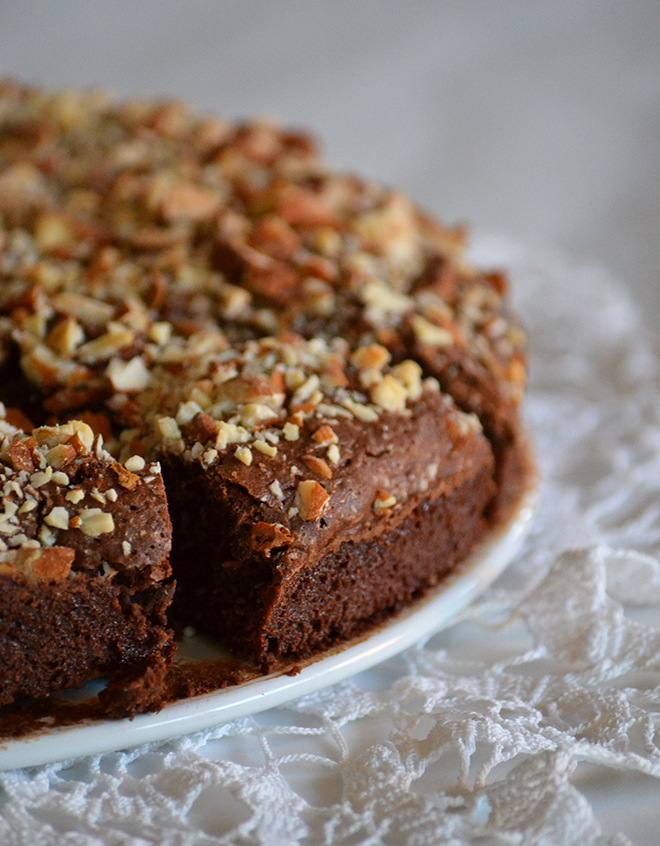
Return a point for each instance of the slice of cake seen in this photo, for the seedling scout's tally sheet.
(84, 572)
(314, 488)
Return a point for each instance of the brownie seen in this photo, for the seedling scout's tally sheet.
(84, 546)
(332, 388)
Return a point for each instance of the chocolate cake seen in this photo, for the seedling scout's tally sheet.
(332, 389)
(84, 568)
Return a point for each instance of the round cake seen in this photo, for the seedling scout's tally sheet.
(329, 387)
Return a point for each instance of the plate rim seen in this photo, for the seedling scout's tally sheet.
(430, 614)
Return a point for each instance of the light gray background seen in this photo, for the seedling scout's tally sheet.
(539, 120)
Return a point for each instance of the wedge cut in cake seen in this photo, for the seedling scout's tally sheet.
(332, 388)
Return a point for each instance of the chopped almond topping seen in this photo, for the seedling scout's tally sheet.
(461, 425)
(60, 455)
(383, 501)
(265, 448)
(374, 357)
(430, 334)
(187, 201)
(334, 372)
(409, 373)
(209, 456)
(65, 336)
(94, 522)
(517, 372)
(58, 518)
(134, 464)
(389, 394)
(89, 312)
(325, 435)
(311, 499)
(291, 432)
(276, 489)
(21, 455)
(128, 375)
(305, 208)
(318, 465)
(168, 428)
(275, 237)
(41, 477)
(137, 295)
(244, 454)
(297, 418)
(333, 454)
(278, 382)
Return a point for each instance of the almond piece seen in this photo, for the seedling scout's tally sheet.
(383, 501)
(311, 499)
(60, 455)
(21, 455)
(325, 435)
(429, 334)
(389, 394)
(94, 522)
(187, 201)
(128, 375)
(373, 357)
(318, 465)
(134, 464)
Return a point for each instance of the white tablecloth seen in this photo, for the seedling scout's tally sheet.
(536, 717)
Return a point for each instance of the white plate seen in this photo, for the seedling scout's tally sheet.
(428, 615)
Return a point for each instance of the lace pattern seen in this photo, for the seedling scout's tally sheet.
(481, 733)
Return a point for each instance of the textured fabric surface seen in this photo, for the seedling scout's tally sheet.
(490, 731)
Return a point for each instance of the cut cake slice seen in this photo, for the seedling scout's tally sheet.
(84, 571)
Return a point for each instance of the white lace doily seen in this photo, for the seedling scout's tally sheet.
(491, 732)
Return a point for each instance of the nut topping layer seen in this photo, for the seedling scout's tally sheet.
(214, 291)
(65, 501)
